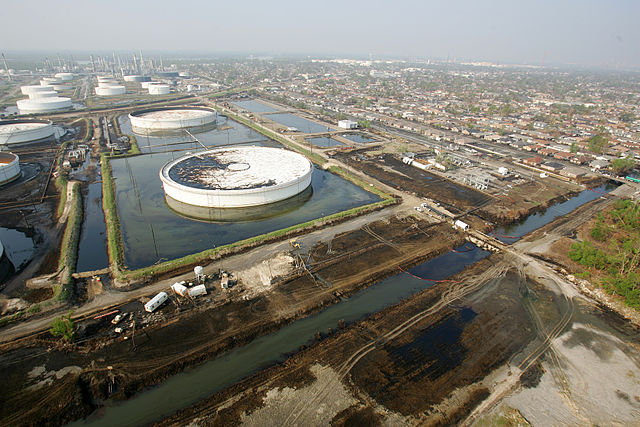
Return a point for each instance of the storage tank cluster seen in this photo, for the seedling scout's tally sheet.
(108, 86)
(236, 177)
(9, 167)
(23, 131)
(170, 118)
(42, 99)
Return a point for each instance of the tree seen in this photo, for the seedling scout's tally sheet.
(63, 327)
(598, 143)
(574, 147)
(622, 166)
(627, 117)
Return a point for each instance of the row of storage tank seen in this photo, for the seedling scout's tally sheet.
(43, 98)
(108, 86)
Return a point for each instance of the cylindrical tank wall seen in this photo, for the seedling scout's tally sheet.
(21, 131)
(9, 167)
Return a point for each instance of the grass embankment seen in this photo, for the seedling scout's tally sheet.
(114, 238)
(612, 252)
(69, 246)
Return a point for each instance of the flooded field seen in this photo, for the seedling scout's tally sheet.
(18, 246)
(324, 141)
(254, 106)
(293, 121)
(357, 137)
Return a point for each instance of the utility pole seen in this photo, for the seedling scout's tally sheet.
(5, 66)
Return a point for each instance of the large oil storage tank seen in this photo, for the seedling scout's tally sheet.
(167, 74)
(43, 94)
(65, 77)
(236, 177)
(61, 86)
(110, 90)
(28, 90)
(137, 78)
(9, 167)
(170, 118)
(43, 105)
(23, 131)
(46, 81)
(158, 89)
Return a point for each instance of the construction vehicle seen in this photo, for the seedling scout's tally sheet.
(294, 244)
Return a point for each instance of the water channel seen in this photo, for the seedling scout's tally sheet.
(92, 248)
(303, 125)
(255, 106)
(513, 232)
(188, 387)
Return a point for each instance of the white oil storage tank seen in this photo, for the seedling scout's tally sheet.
(65, 77)
(23, 131)
(46, 81)
(28, 90)
(170, 118)
(61, 86)
(43, 94)
(9, 167)
(110, 90)
(158, 89)
(236, 177)
(43, 105)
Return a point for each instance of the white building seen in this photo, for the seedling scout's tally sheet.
(348, 124)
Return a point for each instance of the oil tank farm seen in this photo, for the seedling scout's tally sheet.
(23, 131)
(9, 167)
(43, 105)
(158, 89)
(236, 177)
(170, 118)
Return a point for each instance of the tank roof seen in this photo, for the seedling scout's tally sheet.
(17, 127)
(238, 168)
(174, 114)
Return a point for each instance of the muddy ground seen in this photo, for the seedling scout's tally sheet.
(390, 170)
(517, 202)
(431, 374)
(354, 260)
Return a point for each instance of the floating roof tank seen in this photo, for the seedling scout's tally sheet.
(170, 118)
(236, 177)
(159, 89)
(23, 131)
(65, 76)
(28, 90)
(43, 94)
(43, 105)
(110, 90)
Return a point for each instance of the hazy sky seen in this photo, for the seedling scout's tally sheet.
(586, 32)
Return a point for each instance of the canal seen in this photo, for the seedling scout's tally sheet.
(187, 388)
